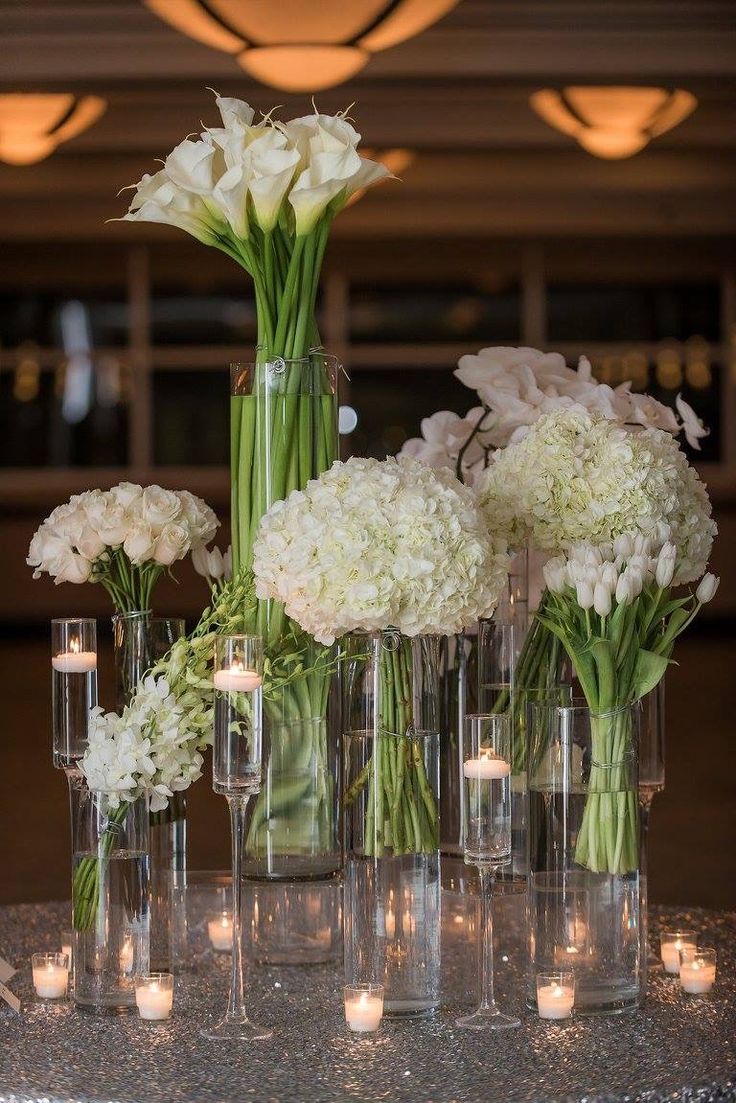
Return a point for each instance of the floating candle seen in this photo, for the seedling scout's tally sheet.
(236, 679)
(74, 661)
(487, 767)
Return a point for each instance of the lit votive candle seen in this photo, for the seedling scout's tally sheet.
(221, 932)
(126, 955)
(50, 975)
(74, 661)
(236, 679)
(363, 1007)
(487, 767)
(672, 943)
(555, 994)
(154, 995)
(697, 971)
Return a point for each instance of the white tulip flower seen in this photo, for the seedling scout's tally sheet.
(584, 594)
(555, 574)
(624, 545)
(602, 599)
(624, 590)
(707, 587)
(609, 576)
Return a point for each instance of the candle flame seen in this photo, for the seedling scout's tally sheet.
(74, 645)
(557, 991)
(237, 667)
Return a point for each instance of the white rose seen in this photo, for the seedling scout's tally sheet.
(159, 507)
(199, 518)
(89, 543)
(139, 542)
(66, 520)
(46, 548)
(112, 524)
(126, 493)
(71, 567)
(172, 544)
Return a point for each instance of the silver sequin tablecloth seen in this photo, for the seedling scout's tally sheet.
(676, 1048)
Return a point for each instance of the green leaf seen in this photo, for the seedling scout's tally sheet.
(648, 672)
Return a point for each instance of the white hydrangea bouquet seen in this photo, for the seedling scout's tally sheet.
(643, 518)
(372, 546)
(123, 538)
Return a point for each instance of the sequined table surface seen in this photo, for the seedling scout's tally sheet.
(676, 1048)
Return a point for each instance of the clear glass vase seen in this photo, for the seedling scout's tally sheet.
(110, 901)
(458, 698)
(141, 640)
(284, 433)
(584, 882)
(651, 782)
(390, 708)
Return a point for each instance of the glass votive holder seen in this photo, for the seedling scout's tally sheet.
(363, 1007)
(671, 944)
(74, 686)
(697, 970)
(50, 975)
(67, 945)
(154, 995)
(220, 932)
(555, 994)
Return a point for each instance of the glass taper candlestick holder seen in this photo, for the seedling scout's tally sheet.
(487, 840)
(236, 770)
(74, 686)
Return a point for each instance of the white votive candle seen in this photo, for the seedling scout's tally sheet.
(50, 975)
(697, 971)
(363, 1007)
(236, 679)
(555, 1001)
(487, 767)
(672, 944)
(154, 995)
(75, 662)
(221, 932)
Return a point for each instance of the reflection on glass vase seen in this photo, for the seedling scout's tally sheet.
(651, 782)
(458, 698)
(584, 884)
(390, 708)
(140, 641)
(110, 895)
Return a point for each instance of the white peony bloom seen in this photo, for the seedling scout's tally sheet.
(372, 545)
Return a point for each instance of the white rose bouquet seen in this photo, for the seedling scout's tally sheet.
(372, 546)
(123, 538)
(612, 607)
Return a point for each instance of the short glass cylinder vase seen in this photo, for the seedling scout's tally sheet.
(110, 901)
(140, 641)
(390, 709)
(584, 882)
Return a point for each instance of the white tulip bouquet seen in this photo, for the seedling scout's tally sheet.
(612, 607)
(123, 538)
(372, 546)
(638, 517)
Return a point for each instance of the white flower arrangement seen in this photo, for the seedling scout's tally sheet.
(516, 387)
(123, 538)
(214, 565)
(577, 476)
(611, 606)
(376, 544)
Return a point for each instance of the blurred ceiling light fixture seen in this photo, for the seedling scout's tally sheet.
(33, 124)
(613, 122)
(301, 45)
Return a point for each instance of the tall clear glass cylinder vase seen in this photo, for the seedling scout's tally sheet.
(284, 433)
(651, 782)
(390, 707)
(141, 640)
(110, 901)
(584, 882)
(458, 698)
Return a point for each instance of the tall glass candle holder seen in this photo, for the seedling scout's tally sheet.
(236, 768)
(74, 686)
(487, 840)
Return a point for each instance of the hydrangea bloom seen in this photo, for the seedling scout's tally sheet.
(579, 477)
(377, 544)
(519, 385)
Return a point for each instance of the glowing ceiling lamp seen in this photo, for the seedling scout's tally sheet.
(33, 124)
(301, 45)
(613, 122)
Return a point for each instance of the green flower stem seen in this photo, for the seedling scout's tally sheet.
(88, 876)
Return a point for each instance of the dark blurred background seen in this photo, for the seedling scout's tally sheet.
(502, 231)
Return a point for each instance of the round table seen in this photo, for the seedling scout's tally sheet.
(676, 1048)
